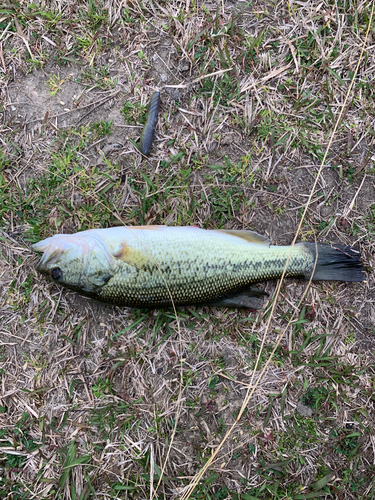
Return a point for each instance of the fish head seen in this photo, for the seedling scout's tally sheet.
(79, 261)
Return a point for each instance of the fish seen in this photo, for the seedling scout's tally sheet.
(148, 131)
(151, 266)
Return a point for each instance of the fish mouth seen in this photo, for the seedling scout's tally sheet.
(52, 248)
(48, 257)
(41, 246)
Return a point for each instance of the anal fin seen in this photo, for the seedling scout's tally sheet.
(250, 298)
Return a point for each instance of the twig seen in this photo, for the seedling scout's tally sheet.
(96, 107)
(77, 109)
(184, 86)
(350, 207)
(2, 57)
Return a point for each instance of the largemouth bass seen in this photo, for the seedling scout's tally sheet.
(147, 266)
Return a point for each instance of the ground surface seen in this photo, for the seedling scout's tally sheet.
(90, 394)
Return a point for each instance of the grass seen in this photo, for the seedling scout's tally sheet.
(91, 392)
(55, 84)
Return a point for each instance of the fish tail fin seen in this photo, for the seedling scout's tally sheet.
(335, 263)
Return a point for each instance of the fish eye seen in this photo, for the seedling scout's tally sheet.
(55, 273)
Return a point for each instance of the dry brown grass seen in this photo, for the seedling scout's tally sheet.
(91, 395)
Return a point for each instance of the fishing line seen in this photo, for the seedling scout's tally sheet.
(249, 394)
(251, 389)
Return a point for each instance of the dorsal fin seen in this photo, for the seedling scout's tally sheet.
(250, 236)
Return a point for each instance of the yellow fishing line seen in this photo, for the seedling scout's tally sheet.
(250, 392)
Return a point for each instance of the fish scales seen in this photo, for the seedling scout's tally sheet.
(208, 268)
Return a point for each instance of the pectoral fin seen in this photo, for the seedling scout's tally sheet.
(250, 236)
(251, 298)
(134, 257)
